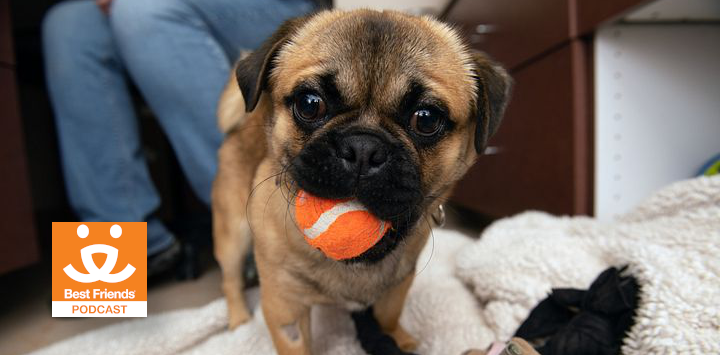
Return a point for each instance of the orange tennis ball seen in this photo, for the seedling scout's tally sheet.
(342, 229)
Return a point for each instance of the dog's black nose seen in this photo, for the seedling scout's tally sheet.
(364, 154)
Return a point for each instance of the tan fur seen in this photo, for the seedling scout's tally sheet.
(238, 158)
(252, 193)
(231, 108)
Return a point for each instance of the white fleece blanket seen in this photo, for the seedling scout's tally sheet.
(671, 243)
(470, 293)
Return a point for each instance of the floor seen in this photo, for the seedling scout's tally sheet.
(26, 324)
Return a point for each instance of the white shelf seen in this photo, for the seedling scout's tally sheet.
(657, 102)
(677, 10)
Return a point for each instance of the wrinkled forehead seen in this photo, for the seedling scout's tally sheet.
(378, 57)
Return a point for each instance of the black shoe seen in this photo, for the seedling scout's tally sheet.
(165, 260)
(188, 267)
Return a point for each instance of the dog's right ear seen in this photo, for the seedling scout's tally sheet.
(252, 71)
(494, 85)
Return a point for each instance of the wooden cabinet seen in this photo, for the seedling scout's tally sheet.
(512, 31)
(18, 245)
(6, 50)
(544, 158)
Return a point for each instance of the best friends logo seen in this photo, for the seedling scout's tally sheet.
(118, 288)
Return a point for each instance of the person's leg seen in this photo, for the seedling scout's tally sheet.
(106, 175)
(179, 53)
(245, 24)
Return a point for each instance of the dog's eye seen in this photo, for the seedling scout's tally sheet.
(425, 122)
(309, 107)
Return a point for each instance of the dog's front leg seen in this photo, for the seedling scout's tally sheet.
(387, 312)
(287, 320)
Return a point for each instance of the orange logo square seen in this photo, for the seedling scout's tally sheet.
(99, 269)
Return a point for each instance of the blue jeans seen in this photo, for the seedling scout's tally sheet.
(179, 54)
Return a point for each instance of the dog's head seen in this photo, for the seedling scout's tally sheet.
(385, 107)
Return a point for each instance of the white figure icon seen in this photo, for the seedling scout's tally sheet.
(102, 274)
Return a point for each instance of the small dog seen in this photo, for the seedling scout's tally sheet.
(384, 107)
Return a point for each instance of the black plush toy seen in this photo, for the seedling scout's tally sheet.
(372, 339)
(591, 322)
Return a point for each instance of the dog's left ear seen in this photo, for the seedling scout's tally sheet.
(252, 71)
(493, 85)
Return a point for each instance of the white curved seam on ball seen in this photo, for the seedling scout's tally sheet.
(328, 217)
(381, 231)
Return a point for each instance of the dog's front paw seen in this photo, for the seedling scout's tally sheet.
(405, 341)
(238, 316)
